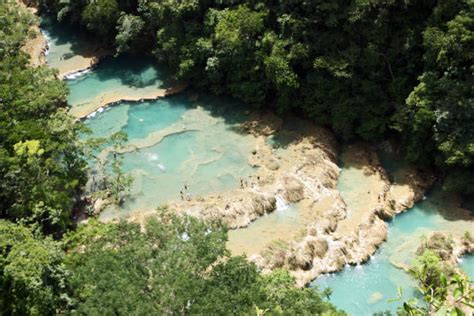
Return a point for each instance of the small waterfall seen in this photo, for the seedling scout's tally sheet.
(76, 74)
(48, 41)
(280, 203)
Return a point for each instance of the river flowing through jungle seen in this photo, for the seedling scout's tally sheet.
(189, 145)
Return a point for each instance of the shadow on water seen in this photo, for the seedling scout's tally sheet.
(62, 33)
(446, 204)
(451, 207)
(133, 71)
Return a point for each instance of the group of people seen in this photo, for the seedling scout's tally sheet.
(185, 195)
(245, 183)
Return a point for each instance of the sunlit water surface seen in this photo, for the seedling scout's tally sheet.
(368, 288)
(212, 157)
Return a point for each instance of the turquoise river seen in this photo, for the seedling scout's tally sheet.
(191, 140)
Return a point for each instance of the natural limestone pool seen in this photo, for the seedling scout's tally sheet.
(366, 289)
(192, 140)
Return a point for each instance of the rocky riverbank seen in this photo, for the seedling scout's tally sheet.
(86, 59)
(87, 109)
(347, 234)
(304, 171)
(36, 44)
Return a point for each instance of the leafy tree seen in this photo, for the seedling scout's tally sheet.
(109, 180)
(41, 164)
(440, 108)
(32, 275)
(444, 291)
(174, 265)
(101, 16)
(129, 32)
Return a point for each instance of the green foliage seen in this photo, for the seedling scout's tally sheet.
(110, 182)
(32, 275)
(14, 24)
(439, 111)
(175, 265)
(101, 16)
(129, 32)
(41, 164)
(443, 290)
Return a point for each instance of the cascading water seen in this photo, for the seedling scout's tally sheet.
(368, 288)
(280, 203)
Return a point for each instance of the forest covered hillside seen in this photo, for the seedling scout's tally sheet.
(49, 266)
(368, 69)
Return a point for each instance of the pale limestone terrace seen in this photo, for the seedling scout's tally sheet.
(83, 110)
(332, 234)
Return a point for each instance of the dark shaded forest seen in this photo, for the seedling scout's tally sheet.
(368, 69)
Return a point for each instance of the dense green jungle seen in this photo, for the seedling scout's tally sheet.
(367, 71)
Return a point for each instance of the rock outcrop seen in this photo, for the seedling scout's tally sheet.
(36, 44)
(303, 170)
(341, 234)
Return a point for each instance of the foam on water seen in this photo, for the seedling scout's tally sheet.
(280, 203)
(77, 74)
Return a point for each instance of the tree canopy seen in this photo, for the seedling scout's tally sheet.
(175, 265)
(42, 167)
(367, 69)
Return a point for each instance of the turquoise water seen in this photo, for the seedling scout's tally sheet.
(138, 120)
(366, 289)
(177, 141)
(114, 75)
(209, 159)
(199, 146)
(63, 42)
(467, 265)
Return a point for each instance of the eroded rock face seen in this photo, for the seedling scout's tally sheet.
(302, 172)
(448, 247)
(234, 208)
(306, 172)
(340, 234)
(408, 188)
